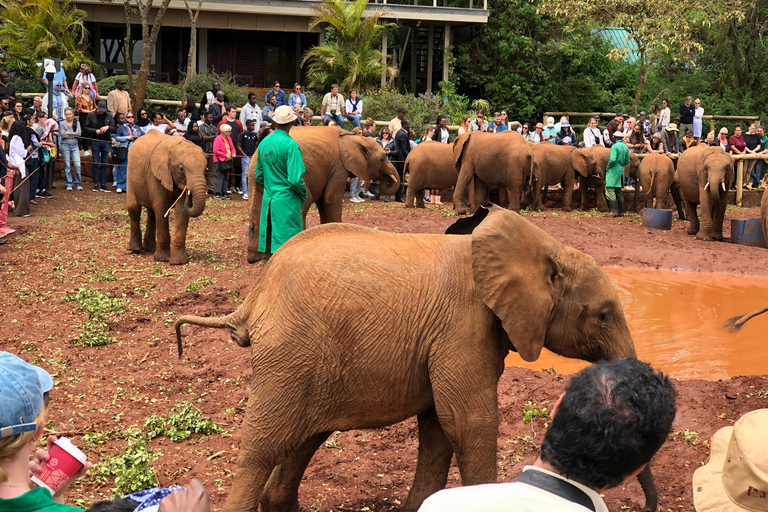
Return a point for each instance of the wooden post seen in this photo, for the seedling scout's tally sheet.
(430, 56)
(446, 54)
(711, 127)
(384, 60)
(739, 180)
(413, 60)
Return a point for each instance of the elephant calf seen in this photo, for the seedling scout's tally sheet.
(159, 168)
(429, 165)
(445, 321)
(657, 177)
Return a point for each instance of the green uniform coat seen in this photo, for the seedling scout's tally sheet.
(36, 500)
(615, 170)
(280, 170)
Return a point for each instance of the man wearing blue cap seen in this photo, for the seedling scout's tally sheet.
(23, 404)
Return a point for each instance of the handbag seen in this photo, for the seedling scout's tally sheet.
(226, 165)
(121, 154)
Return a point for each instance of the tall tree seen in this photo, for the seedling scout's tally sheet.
(128, 45)
(148, 41)
(350, 54)
(660, 29)
(192, 48)
(33, 29)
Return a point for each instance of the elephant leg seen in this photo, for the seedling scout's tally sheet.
(179, 238)
(717, 220)
(707, 214)
(281, 493)
(636, 197)
(675, 190)
(435, 452)
(503, 196)
(163, 250)
(333, 197)
(410, 195)
(693, 217)
(134, 213)
(150, 243)
(602, 202)
(568, 193)
(585, 184)
(419, 196)
(649, 489)
(466, 175)
(257, 194)
(479, 197)
(536, 203)
(514, 188)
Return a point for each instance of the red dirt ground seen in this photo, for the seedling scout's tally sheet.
(80, 239)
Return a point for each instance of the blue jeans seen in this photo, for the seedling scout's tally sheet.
(355, 187)
(355, 118)
(34, 177)
(245, 162)
(120, 174)
(339, 120)
(71, 154)
(100, 151)
(756, 170)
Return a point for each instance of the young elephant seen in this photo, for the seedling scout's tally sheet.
(658, 179)
(159, 167)
(705, 174)
(436, 352)
(552, 165)
(429, 165)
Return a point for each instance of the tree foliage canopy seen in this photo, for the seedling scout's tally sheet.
(350, 55)
(33, 29)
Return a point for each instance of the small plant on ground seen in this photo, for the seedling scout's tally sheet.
(534, 410)
(199, 283)
(183, 420)
(132, 469)
(98, 306)
(689, 436)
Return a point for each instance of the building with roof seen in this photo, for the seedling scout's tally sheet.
(263, 41)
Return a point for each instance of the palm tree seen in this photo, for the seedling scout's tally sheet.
(350, 54)
(33, 29)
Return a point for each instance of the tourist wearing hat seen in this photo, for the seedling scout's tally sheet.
(614, 174)
(300, 119)
(280, 170)
(118, 100)
(592, 135)
(550, 133)
(643, 121)
(397, 122)
(536, 135)
(99, 125)
(736, 477)
(669, 138)
(566, 132)
(23, 402)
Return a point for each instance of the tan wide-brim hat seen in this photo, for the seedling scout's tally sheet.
(736, 477)
(671, 127)
(284, 115)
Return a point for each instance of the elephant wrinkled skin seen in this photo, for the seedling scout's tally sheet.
(330, 154)
(658, 178)
(429, 165)
(552, 165)
(705, 174)
(159, 167)
(484, 158)
(434, 351)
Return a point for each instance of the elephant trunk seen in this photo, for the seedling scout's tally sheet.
(197, 193)
(714, 193)
(231, 322)
(390, 181)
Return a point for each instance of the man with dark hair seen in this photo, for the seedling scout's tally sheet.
(99, 125)
(209, 131)
(279, 95)
(613, 417)
(269, 107)
(210, 96)
(403, 148)
(479, 124)
(686, 115)
(7, 91)
(251, 110)
(333, 106)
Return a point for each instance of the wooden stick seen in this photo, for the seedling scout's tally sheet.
(176, 201)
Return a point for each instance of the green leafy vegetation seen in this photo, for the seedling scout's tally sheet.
(534, 410)
(689, 436)
(183, 420)
(199, 283)
(99, 306)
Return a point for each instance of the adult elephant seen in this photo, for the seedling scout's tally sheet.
(160, 167)
(330, 154)
(484, 158)
(658, 179)
(429, 165)
(705, 174)
(436, 353)
(598, 157)
(552, 165)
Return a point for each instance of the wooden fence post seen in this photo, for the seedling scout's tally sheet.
(739, 181)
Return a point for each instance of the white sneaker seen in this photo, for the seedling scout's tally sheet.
(119, 191)
(69, 188)
(355, 200)
(245, 197)
(628, 188)
(114, 183)
(368, 195)
(78, 187)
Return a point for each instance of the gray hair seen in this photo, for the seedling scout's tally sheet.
(69, 109)
(688, 98)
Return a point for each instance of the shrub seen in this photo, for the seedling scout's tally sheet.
(24, 82)
(202, 82)
(422, 109)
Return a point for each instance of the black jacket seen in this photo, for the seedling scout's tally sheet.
(686, 114)
(94, 121)
(402, 145)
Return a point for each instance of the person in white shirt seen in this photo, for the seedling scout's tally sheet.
(592, 135)
(251, 111)
(354, 106)
(666, 114)
(611, 420)
(181, 124)
(333, 106)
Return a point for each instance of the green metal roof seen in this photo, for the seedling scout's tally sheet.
(617, 38)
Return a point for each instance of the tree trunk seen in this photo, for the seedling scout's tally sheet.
(191, 67)
(148, 40)
(128, 46)
(643, 71)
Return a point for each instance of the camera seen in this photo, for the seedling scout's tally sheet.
(333, 113)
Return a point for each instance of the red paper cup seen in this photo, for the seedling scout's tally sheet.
(65, 461)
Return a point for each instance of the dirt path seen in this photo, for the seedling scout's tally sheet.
(77, 241)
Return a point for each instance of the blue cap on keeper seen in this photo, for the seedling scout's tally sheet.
(21, 394)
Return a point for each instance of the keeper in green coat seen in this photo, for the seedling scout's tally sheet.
(614, 174)
(280, 170)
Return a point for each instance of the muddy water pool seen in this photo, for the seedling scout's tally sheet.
(675, 319)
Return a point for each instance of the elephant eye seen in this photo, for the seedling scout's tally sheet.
(604, 315)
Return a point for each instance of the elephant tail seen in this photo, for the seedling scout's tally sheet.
(230, 322)
(734, 324)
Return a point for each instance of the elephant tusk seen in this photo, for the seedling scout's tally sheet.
(706, 187)
(189, 192)
(723, 186)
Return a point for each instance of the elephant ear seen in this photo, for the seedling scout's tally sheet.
(517, 274)
(459, 146)
(355, 155)
(579, 162)
(466, 225)
(160, 163)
